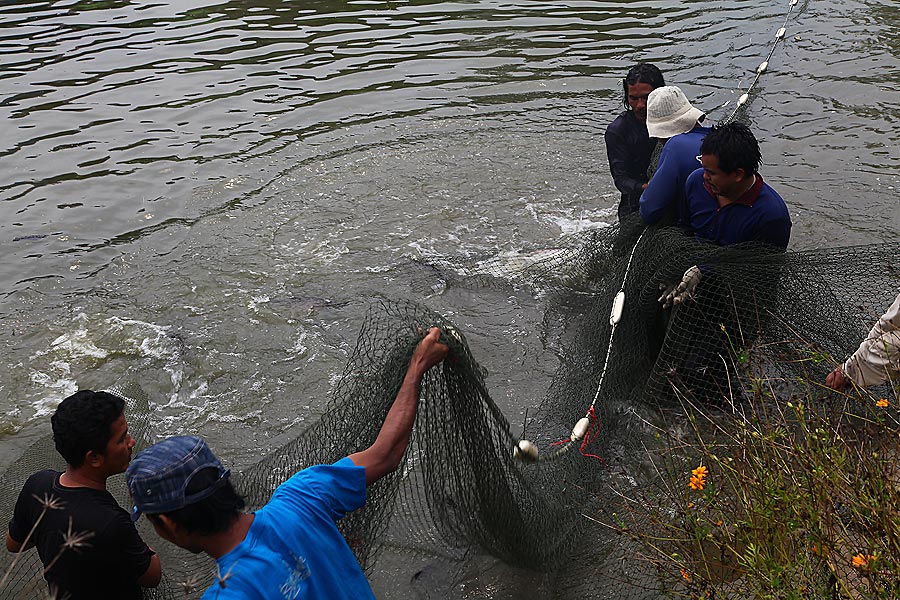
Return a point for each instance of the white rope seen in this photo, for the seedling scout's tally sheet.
(526, 450)
(615, 315)
(764, 65)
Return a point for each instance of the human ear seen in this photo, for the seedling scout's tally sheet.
(93, 459)
(164, 526)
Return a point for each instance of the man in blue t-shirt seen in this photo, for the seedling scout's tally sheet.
(291, 548)
(672, 118)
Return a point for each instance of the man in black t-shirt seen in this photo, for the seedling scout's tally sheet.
(88, 544)
(628, 145)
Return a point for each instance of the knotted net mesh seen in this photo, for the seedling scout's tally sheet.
(582, 514)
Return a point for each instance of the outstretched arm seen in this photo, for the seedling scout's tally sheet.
(384, 456)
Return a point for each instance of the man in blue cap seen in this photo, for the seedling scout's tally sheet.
(290, 548)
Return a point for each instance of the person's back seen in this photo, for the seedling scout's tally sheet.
(291, 548)
(664, 198)
(671, 117)
(85, 536)
(294, 548)
(87, 543)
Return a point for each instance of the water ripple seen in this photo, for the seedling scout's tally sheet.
(117, 111)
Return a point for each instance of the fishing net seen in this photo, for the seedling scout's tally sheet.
(574, 515)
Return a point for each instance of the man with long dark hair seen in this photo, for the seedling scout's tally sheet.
(628, 145)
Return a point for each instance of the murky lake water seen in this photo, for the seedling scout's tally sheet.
(204, 197)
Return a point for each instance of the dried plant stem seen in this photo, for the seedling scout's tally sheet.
(21, 551)
(71, 541)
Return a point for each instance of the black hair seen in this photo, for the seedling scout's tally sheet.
(214, 514)
(83, 422)
(735, 146)
(642, 73)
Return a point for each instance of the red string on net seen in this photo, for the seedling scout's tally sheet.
(593, 431)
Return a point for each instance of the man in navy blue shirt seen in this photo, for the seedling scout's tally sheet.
(671, 117)
(628, 146)
(728, 202)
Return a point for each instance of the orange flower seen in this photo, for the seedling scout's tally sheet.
(862, 561)
(698, 478)
(882, 403)
(685, 575)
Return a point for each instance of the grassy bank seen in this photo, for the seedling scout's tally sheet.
(787, 490)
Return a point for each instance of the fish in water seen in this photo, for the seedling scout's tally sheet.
(517, 264)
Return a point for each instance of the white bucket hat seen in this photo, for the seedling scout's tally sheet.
(669, 112)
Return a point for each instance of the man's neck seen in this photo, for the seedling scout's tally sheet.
(221, 544)
(723, 200)
(81, 477)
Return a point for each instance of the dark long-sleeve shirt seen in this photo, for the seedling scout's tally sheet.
(628, 148)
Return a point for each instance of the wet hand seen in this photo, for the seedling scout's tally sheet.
(430, 351)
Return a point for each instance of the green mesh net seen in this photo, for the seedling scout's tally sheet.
(572, 515)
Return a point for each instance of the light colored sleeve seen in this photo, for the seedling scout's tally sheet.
(878, 358)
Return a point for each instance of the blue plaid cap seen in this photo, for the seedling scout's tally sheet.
(159, 475)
